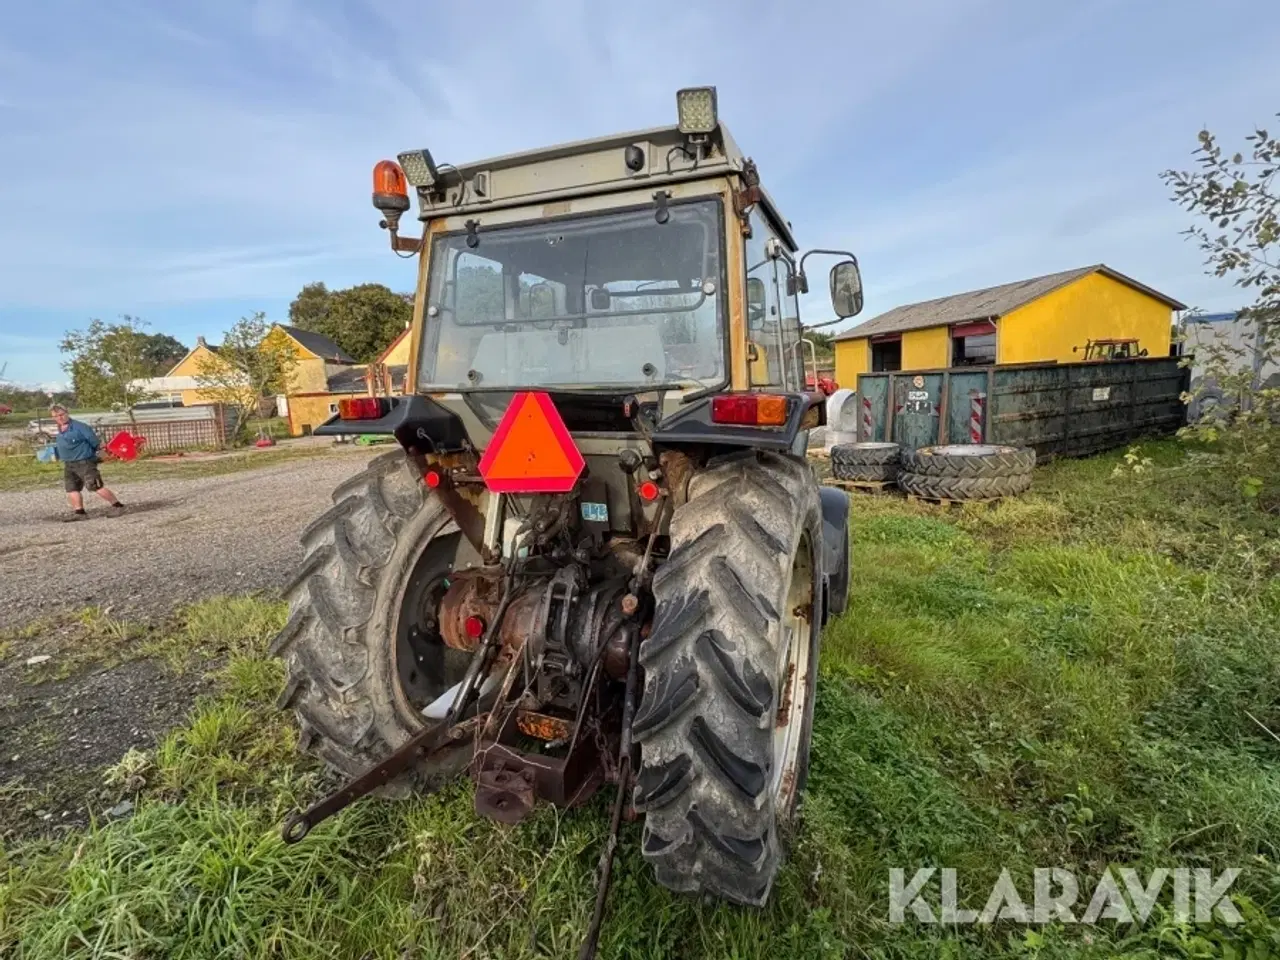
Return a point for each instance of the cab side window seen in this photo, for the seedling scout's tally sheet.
(790, 327)
(766, 360)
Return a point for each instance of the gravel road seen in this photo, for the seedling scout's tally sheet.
(181, 539)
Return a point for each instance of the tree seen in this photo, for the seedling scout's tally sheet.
(248, 368)
(26, 399)
(161, 352)
(1235, 197)
(310, 308)
(105, 359)
(362, 320)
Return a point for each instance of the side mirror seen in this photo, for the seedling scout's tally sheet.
(846, 289)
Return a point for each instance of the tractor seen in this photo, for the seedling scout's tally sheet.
(1097, 351)
(597, 554)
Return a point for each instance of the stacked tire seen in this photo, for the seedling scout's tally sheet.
(870, 462)
(966, 471)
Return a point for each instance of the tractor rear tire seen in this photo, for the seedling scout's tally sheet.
(725, 720)
(345, 605)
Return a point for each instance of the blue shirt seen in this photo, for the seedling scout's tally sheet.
(77, 442)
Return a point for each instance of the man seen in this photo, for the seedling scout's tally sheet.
(77, 448)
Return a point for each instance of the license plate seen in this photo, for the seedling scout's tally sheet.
(595, 512)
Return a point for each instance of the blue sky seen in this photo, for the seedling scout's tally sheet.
(189, 163)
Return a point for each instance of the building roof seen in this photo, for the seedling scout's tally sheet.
(351, 380)
(318, 344)
(988, 303)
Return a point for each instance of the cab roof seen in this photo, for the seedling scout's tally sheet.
(587, 167)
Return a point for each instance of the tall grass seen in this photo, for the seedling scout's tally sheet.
(1065, 680)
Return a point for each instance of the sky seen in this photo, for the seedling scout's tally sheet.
(191, 163)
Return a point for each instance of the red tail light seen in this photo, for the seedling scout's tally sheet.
(749, 409)
(362, 408)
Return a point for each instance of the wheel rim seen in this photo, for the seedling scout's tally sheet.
(425, 666)
(795, 664)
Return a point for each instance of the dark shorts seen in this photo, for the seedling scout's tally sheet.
(80, 475)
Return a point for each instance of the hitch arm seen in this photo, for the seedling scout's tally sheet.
(419, 748)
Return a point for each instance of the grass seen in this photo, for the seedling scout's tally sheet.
(218, 630)
(24, 472)
(74, 641)
(1082, 677)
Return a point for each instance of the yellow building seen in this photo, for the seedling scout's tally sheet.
(1046, 319)
(316, 360)
(180, 382)
(308, 408)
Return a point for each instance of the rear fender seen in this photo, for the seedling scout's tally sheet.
(835, 538)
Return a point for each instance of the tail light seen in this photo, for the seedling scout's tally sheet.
(363, 408)
(749, 409)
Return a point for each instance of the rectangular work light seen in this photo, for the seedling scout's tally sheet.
(419, 169)
(697, 109)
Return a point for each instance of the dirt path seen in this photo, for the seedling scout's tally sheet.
(181, 539)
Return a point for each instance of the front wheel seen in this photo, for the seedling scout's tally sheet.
(726, 717)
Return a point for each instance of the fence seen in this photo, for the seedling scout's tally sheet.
(166, 430)
(1067, 409)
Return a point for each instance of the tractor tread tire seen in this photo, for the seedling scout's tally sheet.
(865, 454)
(954, 461)
(707, 714)
(865, 473)
(338, 679)
(963, 488)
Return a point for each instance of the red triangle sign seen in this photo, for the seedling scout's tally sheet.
(531, 451)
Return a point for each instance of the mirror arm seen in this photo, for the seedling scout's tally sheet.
(802, 277)
(825, 323)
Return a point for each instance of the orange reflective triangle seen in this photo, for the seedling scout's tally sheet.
(531, 451)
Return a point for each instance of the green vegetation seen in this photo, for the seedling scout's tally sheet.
(1082, 677)
(27, 402)
(362, 320)
(250, 365)
(104, 359)
(1235, 198)
(24, 472)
